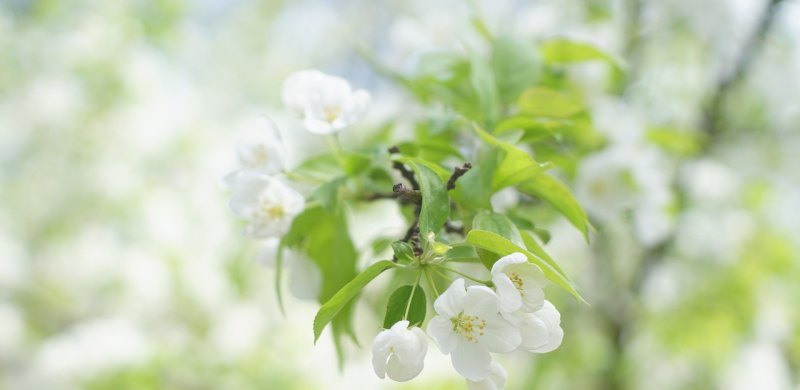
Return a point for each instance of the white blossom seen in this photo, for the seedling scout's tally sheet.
(519, 283)
(495, 381)
(399, 352)
(468, 326)
(326, 103)
(266, 203)
(541, 330)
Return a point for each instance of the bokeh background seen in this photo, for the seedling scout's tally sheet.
(121, 267)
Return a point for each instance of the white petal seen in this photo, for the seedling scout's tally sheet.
(534, 332)
(441, 330)
(552, 319)
(495, 381)
(471, 360)
(481, 301)
(508, 295)
(505, 261)
(451, 302)
(318, 126)
(501, 336)
(401, 372)
(300, 87)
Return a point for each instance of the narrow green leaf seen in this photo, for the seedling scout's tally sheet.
(552, 191)
(545, 102)
(502, 246)
(499, 224)
(435, 201)
(402, 305)
(534, 129)
(534, 247)
(331, 308)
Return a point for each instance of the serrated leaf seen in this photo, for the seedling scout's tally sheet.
(435, 201)
(403, 305)
(502, 246)
(333, 306)
(552, 191)
(545, 102)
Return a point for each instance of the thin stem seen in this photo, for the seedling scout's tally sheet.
(464, 275)
(430, 281)
(442, 274)
(411, 297)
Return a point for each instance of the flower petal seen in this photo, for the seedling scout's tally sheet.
(508, 260)
(441, 330)
(472, 361)
(508, 295)
(451, 302)
(501, 335)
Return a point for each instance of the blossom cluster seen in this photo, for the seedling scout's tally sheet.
(472, 322)
(262, 194)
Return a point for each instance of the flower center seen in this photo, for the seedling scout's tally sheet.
(331, 113)
(518, 282)
(273, 211)
(260, 156)
(471, 327)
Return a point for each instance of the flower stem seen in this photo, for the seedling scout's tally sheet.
(430, 281)
(466, 276)
(411, 297)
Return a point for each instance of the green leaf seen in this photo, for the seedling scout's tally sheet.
(322, 168)
(499, 224)
(462, 254)
(435, 201)
(545, 102)
(502, 246)
(402, 305)
(328, 193)
(516, 165)
(534, 129)
(677, 142)
(355, 164)
(552, 191)
(564, 51)
(516, 67)
(482, 80)
(475, 187)
(333, 306)
(403, 251)
(534, 247)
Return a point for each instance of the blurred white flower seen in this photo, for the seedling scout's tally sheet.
(541, 330)
(519, 284)
(261, 155)
(267, 203)
(495, 381)
(468, 326)
(327, 104)
(305, 277)
(399, 352)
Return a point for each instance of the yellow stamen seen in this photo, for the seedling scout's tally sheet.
(332, 113)
(471, 327)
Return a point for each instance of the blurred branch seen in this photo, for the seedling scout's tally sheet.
(713, 112)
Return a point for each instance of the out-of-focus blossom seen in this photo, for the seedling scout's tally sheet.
(266, 203)
(519, 283)
(468, 326)
(399, 352)
(495, 381)
(326, 103)
(305, 277)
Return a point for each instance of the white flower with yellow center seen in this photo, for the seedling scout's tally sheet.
(399, 352)
(468, 326)
(541, 330)
(268, 204)
(261, 155)
(495, 381)
(519, 283)
(327, 104)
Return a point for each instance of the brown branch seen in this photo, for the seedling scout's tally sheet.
(457, 173)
